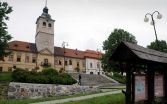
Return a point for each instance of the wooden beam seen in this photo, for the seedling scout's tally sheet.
(128, 94)
(150, 82)
(165, 84)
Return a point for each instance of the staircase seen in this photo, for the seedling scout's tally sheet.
(94, 80)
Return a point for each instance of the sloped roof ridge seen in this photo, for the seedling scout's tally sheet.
(138, 48)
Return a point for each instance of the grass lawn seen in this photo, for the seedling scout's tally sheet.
(5, 77)
(27, 101)
(109, 99)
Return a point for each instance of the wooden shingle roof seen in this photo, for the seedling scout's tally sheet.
(132, 52)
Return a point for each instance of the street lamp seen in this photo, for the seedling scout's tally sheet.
(64, 44)
(146, 19)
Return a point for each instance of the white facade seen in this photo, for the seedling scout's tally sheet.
(93, 66)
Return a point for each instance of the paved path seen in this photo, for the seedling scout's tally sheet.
(78, 98)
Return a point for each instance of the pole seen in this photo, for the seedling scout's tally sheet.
(155, 32)
(159, 16)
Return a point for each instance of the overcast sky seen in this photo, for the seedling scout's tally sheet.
(85, 24)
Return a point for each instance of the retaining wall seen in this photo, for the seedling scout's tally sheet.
(29, 90)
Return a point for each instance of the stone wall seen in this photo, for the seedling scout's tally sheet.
(29, 90)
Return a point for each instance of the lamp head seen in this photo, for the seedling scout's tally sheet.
(159, 16)
(146, 19)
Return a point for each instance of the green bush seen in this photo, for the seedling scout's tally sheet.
(20, 75)
(49, 71)
(67, 79)
(47, 76)
(120, 78)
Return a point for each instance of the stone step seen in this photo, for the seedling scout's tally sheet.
(93, 80)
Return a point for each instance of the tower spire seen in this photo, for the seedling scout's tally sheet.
(45, 9)
(46, 3)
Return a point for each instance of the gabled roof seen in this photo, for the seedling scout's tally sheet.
(132, 52)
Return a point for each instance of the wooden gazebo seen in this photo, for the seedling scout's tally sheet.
(146, 70)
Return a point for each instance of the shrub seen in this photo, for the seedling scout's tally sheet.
(47, 76)
(66, 79)
(118, 77)
(20, 75)
(61, 70)
(49, 71)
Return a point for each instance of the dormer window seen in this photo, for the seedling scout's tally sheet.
(49, 25)
(15, 45)
(27, 46)
(44, 23)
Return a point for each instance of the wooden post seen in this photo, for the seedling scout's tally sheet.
(133, 88)
(165, 84)
(128, 84)
(150, 80)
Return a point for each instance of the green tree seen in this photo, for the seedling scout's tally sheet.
(109, 45)
(162, 46)
(5, 9)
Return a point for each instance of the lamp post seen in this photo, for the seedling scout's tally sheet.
(64, 44)
(146, 19)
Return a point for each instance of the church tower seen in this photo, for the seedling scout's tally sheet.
(44, 37)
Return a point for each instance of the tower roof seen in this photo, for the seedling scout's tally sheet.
(45, 13)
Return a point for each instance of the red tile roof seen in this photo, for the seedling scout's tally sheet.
(69, 52)
(58, 51)
(22, 46)
(92, 54)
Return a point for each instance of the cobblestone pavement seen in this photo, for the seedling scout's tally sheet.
(78, 98)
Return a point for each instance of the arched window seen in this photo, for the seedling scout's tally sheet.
(49, 25)
(44, 23)
(77, 64)
(70, 62)
(91, 65)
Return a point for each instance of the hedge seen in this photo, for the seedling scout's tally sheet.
(47, 76)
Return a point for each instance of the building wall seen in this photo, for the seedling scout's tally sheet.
(68, 67)
(45, 41)
(93, 66)
(40, 60)
(53, 61)
(8, 64)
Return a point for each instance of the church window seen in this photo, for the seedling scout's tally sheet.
(44, 23)
(18, 57)
(98, 65)
(49, 25)
(91, 65)
(27, 59)
(70, 62)
(10, 57)
(59, 62)
(66, 63)
(46, 61)
(77, 64)
(33, 58)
